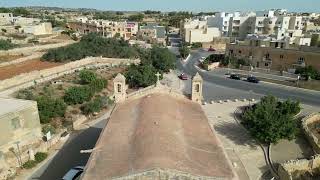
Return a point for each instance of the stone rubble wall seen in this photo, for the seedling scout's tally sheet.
(314, 141)
(28, 79)
(166, 174)
(285, 170)
(11, 162)
(30, 49)
(36, 55)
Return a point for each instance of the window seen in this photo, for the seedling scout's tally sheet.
(281, 56)
(301, 60)
(266, 64)
(15, 123)
(197, 88)
(119, 88)
(270, 22)
(267, 56)
(240, 51)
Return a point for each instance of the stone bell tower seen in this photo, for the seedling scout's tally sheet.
(119, 85)
(196, 91)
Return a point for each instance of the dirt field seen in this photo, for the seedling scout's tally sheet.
(9, 58)
(28, 66)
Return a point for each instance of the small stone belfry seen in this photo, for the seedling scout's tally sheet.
(196, 91)
(119, 85)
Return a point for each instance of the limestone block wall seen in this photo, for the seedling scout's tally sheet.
(314, 141)
(28, 79)
(285, 170)
(29, 50)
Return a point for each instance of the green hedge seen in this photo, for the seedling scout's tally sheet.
(78, 94)
(92, 45)
(50, 108)
(40, 156)
(29, 164)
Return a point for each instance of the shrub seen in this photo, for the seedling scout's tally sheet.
(50, 108)
(184, 51)
(87, 76)
(94, 106)
(40, 156)
(78, 95)
(25, 94)
(308, 71)
(5, 45)
(141, 75)
(29, 164)
(98, 85)
(196, 45)
(48, 127)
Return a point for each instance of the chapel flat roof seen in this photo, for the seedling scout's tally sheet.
(157, 131)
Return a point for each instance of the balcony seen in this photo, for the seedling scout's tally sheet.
(268, 60)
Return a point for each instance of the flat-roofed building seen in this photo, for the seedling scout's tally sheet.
(274, 55)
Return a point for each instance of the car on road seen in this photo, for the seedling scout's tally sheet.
(235, 76)
(253, 79)
(211, 49)
(74, 173)
(183, 76)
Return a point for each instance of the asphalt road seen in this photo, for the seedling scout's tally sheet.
(219, 87)
(69, 155)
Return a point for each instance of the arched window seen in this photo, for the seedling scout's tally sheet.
(119, 88)
(197, 88)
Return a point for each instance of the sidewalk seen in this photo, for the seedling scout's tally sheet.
(257, 74)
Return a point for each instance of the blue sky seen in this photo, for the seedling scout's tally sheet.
(171, 5)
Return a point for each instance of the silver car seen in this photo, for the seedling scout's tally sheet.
(74, 173)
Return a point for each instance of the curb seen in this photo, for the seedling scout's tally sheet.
(292, 87)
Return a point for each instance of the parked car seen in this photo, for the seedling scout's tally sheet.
(211, 49)
(253, 79)
(183, 76)
(235, 76)
(74, 173)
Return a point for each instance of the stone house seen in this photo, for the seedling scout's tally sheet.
(19, 129)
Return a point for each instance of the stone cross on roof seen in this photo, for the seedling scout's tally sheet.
(158, 78)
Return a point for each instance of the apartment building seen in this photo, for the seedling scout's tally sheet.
(126, 30)
(268, 56)
(240, 25)
(221, 21)
(199, 30)
(152, 33)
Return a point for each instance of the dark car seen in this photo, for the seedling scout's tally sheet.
(183, 76)
(253, 79)
(211, 49)
(235, 76)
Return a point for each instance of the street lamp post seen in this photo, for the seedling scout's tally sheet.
(250, 94)
(19, 152)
